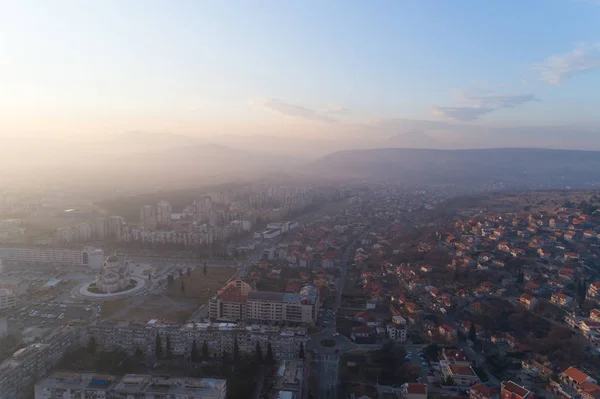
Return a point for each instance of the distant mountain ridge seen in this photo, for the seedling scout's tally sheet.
(526, 165)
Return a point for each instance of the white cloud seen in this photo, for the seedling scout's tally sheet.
(462, 114)
(477, 106)
(558, 67)
(298, 111)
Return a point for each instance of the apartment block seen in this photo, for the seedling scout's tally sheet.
(71, 385)
(238, 302)
(220, 337)
(19, 373)
(31, 254)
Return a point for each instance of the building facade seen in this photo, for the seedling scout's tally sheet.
(114, 275)
(238, 302)
(47, 255)
(74, 385)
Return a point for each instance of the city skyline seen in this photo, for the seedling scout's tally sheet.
(298, 70)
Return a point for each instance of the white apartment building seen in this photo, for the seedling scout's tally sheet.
(148, 217)
(40, 255)
(71, 385)
(163, 213)
(7, 299)
(237, 302)
(285, 341)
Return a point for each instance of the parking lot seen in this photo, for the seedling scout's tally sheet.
(54, 314)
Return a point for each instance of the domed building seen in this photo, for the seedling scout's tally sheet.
(114, 275)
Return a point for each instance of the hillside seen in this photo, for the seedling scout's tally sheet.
(510, 165)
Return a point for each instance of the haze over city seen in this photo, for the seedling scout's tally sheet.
(300, 199)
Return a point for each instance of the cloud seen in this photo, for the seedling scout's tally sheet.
(336, 109)
(297, 111)
(461, 114)
(480, 105)
(558, 67)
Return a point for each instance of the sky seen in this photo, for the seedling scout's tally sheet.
(298, 68)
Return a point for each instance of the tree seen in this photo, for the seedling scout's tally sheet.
(236, 351)
(189, 271)
(205, 353)
(92, 345)
(269, 359)
(472, 333)
(168, 347)
(158, 347)
(449, 381)
(258, 353)
(138, 352)
(182, 287)
(205, 269)
(456, 274)
(194, 352)
(301, 354)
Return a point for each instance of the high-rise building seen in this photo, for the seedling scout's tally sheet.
(148, 217)
(163, 213)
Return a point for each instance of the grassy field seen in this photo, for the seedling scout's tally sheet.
(174, 305)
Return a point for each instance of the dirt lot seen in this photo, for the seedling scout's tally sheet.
(176, 304)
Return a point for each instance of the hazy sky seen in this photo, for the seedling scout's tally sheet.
(75, 67)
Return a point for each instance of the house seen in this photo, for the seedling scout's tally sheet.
(511, 390)
(426, 268)
(593, 291)
(595, 315)
(561, 299)
(504, 339)
(456, 357)
(476, 307)
(447, 332)
(480, 391)
(362, 332)
(411, 390)
(365, 318)
(532, 287)
(528, 301)
(573, 377)
(461, 375)
(589, 390)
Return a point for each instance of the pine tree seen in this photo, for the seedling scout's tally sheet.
(92, 345)
(472, 333)
(138, 352)
(205, 352)
(189, 271)
(168, 347)
(158, 347)
(258, 352)
(205, 269)
(182, 287)
(236, 351)
(269, 359)
(301, 354)
(194, 352)
(456, 274)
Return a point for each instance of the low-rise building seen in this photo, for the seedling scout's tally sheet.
(93, 385)
(528, 301)
(7, 299)
(480, 391)
(410, 390)
(460, 375)
(511, 390)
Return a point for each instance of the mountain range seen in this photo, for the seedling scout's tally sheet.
(165, 159)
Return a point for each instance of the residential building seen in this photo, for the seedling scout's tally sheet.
(528, 301)
(411, 390)
(7, 299)
(148, 217)
(237, 302)
(561, 299)
(573, 377)
(46, 255)
(593, 291)
(396, 332)
(93, 385)
(460, 375)
(511, 390)
(480, 391)
(290, 380)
